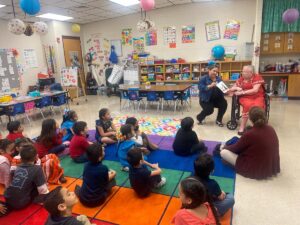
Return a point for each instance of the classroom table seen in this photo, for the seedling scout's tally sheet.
(6, 107)
(181, 88)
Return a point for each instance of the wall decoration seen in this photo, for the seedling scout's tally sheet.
(30, 7)
(212, 31)
(139, 45)
(30, 58)
(69, 77)
(16, 26)
(147, 5)
(75, 28)
(151, 38)
(40, 28)
(127, 36)
(118, 46)
(232, 30)
(188, 34)
(50, 57)
(169, 35)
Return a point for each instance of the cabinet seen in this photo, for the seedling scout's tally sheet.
(278, 43)
(293, 85)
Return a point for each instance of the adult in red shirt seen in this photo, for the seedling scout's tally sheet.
(79, 143)
(256, 154)
(251, 93)
(50, 139)
(15, 130)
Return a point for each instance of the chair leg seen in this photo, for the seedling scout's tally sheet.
(41, 111)
(28, 119)
(146, 104)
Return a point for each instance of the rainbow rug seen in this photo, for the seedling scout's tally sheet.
(153, 125)
(123, 206)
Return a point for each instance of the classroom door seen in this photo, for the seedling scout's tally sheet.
(73, 56)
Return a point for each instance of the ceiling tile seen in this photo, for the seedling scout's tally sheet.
(98, 3)
(180, 1)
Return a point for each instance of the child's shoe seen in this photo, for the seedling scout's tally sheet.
(161, 183)
(125, 169)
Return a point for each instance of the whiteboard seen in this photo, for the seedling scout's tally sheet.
(118, 46)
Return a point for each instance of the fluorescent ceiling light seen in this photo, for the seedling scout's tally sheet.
(126, 2)
(55, 17)
(1, 6)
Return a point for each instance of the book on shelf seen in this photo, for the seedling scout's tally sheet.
(185, 69)
(151, 77)
(234, 76)
(159, 77)
(225, 76)
(196, 68)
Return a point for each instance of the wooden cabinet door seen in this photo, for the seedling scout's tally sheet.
(276, 43)
(292, 43)
(294, 85)
(265, 43)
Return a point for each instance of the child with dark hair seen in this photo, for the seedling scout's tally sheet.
(126, 144)
(186, 141)
(50, 139)
(98, 180)
(69, 119)
(140, 138)
(142, 179)
(59, 203)
(6, 148)
(204, 165)
(196, 205)
(15, 130)
(28, 181)
(79, 142)
(50, 163)
(105, 129)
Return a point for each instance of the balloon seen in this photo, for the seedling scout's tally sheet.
(147, 5)
(290, 16)
(28, 30)
(142, 26)
(40, 28)
(218, 52)
(76, 28)
(30, 7)
(16, 26)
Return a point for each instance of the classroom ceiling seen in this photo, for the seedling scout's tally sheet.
(83, 11)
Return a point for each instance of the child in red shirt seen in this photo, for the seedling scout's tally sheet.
(50, 139)
(79, 142)
(195, 208)
(15, 130)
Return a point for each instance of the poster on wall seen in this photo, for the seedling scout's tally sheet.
(118, 46)
(151, 38)
(212, 31)
(188, 34)
(232, 29)
(50, 57)
(169, 35)
(30, 58)
(69, 77)
(127, 36)
(138, 45)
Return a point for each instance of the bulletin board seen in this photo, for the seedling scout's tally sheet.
(69, 77)
(9, 73)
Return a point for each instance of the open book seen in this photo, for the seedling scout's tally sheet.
(222, 86)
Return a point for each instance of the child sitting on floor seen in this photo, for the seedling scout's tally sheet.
(204, 165)
(79, 143)
(28, 181)
(98, 180)
(196, 207)
(50, 141)
(6, 148)
(69, 119)
(140, 138)
(186, 141)
(105, 129)
(126, 144)
(141, 179)
(59, 203)
(50, 163)
(15, 130)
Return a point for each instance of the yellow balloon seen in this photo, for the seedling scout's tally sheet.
(76, 28)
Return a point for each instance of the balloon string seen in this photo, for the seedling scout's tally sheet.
(12, 2)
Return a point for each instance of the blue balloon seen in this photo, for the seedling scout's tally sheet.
(218, 52)
(30, 7)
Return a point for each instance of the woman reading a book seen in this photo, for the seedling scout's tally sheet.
(250, 90)
(211, 94)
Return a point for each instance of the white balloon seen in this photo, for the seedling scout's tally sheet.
(152, 24)
(40, 28)
(16, 26)
(142, 26)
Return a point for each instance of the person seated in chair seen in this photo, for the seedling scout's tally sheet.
(249, 87)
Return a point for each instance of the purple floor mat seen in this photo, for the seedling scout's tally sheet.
(155, 139)
(92, 135)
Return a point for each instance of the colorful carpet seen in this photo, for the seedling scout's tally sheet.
(123, 206)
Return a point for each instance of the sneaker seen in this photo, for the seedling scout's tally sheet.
(125, 169)
(62, 179)
(161, 183)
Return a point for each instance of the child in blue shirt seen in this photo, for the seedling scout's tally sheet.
(98, 180)
(127, 132)
(69, 119)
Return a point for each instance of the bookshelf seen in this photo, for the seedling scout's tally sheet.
(188, 72)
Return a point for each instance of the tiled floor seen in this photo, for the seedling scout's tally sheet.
(270, 202)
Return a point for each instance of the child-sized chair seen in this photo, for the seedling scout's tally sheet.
(169, 96)
(18, 109)
(124, 97)
(186, 98)
(59, 100)
(152, 97)
(44, 102)
(134, 97)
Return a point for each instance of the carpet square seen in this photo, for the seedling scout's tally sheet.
(121, 176)
(126, 208)
(2, 189)
(71, 168)
(226, 184)
(70, 180)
